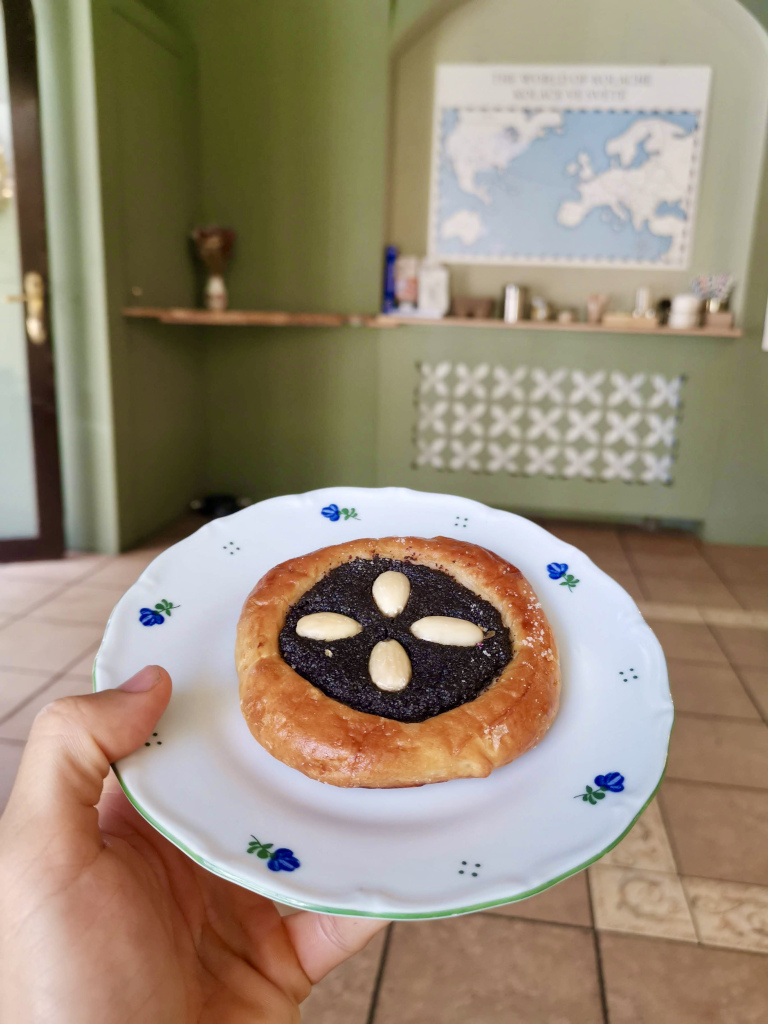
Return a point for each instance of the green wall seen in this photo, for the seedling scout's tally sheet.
(738, 510)
(293, 129)
(291, 409)
(150, 189)
(290, 104)
(292, 116)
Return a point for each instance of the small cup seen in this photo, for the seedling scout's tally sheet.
(685, 312)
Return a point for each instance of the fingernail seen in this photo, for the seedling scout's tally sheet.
(148, 677)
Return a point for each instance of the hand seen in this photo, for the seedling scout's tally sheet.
(103, 921)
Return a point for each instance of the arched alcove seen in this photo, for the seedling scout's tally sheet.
(721, 34)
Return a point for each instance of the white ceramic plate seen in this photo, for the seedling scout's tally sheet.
(207, 785)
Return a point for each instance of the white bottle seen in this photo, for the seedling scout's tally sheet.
(216, 297)
(642, 308)
(406, 283)
(434, 290)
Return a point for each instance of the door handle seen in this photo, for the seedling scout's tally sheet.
(34, 299)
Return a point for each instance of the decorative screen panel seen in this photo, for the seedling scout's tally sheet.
(565, 423)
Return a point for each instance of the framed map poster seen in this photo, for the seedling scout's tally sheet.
(566, 165)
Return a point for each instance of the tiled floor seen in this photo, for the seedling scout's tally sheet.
(671, 927)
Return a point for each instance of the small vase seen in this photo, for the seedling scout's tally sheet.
(216, 298)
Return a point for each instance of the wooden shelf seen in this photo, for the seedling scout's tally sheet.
(244, 317)
(265, 318)
(552, 325)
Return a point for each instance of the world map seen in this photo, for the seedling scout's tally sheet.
(582, 187)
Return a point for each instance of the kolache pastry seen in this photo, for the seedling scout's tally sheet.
(396, 662)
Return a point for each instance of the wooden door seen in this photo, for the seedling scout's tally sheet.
(30, 480)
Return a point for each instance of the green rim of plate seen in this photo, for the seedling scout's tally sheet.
(341, 912)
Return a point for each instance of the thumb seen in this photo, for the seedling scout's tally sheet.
(322, 941)
(70, 748)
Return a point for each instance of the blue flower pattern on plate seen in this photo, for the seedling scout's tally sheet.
(281, 859)
(154, 616)
(613, 782)
(334, 513)
(149, 617)
(557, 570)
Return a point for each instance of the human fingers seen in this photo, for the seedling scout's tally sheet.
(70, 748)
(323, 941)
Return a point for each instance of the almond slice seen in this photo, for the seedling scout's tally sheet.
(390, 666)
(391, 591)
(442, 629)
(327, 626)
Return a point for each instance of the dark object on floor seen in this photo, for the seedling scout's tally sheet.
(214, 506)
(471, 307)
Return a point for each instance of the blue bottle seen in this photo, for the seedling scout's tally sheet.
(390, 256)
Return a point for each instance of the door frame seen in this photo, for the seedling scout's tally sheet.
(21, 52)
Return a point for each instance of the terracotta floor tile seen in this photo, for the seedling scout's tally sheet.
(689, 641)
(123, 571)
(721, 750)
(737, 563)
(646, 846)
(691, 568)
(588, 538)
(657, 611)
(730, 618)
(609, 561)
(729, 913)
(18, 594)
(81, 603)
(601, 546)
(489, 970)
(717, 832)
(709, 689)
(650, 981)
(753, 596)
(756, 682)
(45, 646)
(10, 755)
(18, 725)
(609, 557)
(684, 591)
(84, 667)
(747, 648)
(641, 902)
(16, 687)
(73, 566)
(344, 996)
(284, 910)
(667, 543)
(629, 581)
(564, 903)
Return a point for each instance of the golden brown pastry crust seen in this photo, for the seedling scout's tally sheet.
(328, 741)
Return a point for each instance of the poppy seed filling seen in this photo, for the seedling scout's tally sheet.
(443, 677)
